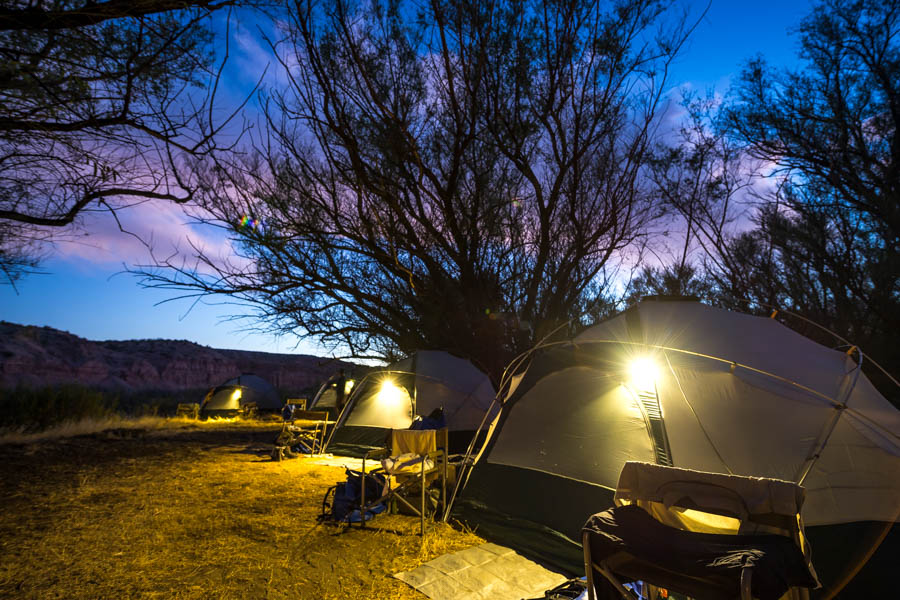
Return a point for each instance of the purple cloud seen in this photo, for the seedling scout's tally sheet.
(161, 226)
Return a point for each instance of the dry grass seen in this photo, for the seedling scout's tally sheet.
(186, 510)
(148, 423)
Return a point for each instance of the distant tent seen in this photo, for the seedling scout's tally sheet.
(326, 397)
(231, 396)
(718, 391)
(416, 386)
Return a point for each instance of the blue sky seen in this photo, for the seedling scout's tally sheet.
(85, 292)
(733, 31)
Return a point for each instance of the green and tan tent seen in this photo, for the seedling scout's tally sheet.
(415, 387)
(685, 384)
(325, 398)
(229, 398)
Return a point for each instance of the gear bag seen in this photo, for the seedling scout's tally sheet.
(341, 501)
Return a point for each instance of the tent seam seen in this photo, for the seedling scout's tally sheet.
(693, 412)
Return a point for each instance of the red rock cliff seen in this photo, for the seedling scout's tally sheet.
(39, 356)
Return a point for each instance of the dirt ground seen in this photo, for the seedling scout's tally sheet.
(200, 511)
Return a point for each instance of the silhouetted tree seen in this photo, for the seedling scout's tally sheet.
(675, 280)
(831, 129)
(100, 102)
(704, 180)
(822, 239)
(453, 174)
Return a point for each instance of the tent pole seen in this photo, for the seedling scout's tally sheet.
(822, 441)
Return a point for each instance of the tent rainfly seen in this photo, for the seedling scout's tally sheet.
(414, 387)
(230, 397)
(684, 384)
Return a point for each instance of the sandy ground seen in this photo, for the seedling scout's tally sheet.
(193, 512)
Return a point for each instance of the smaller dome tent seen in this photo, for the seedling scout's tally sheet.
(416, 386)
(326, 398)
(230, 397)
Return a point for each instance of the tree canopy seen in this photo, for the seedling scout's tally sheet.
(467, 175)
(455, 175)
(99, 105)
(821, 238)
(834, 225)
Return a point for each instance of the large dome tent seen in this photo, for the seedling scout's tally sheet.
(230, 397)
(716, 391)
(416, 386)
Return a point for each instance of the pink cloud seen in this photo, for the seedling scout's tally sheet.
(162, 226)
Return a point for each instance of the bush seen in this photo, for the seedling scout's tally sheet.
(37, 409)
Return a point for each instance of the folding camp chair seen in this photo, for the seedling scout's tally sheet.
(706, 535)
(417, 458)
(306, 431)
(312, 423)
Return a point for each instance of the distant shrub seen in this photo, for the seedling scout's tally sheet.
(157, 403)
(37, 409)
(32, 410)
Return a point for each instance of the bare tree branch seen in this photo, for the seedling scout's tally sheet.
(31, 18)
(106, 104)
(453, 175)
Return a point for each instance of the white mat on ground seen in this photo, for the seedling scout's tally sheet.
(485, 572)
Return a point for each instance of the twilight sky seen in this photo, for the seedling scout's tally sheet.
(84, 291)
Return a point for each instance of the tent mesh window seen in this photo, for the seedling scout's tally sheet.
(649, 402)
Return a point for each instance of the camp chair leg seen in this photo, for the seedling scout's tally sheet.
(589, 573)
(362, 495)
(444, 484)
(746, 576)
(407, 503)
(626, 593)
(422, 503)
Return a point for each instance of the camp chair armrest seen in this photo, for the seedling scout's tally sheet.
(371, 454)
(376, 453)
(440, 452)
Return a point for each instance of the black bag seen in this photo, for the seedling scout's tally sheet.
(343, 499)
(567, 590)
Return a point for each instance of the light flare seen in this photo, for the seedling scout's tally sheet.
(390, 394)
(643, 374)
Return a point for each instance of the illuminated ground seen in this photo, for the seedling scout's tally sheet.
(192, 512)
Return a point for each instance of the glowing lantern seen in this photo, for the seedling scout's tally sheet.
(643, 375)
(390, 394)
